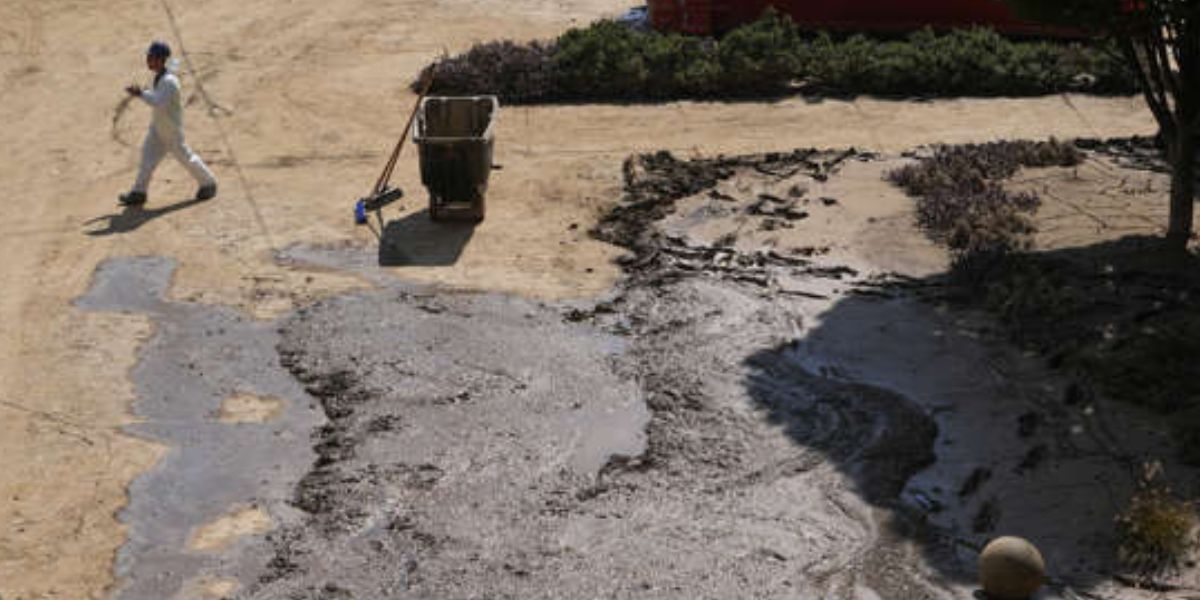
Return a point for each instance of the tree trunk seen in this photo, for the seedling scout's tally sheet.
(1182, 152)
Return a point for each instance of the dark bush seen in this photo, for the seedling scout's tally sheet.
(517, 73)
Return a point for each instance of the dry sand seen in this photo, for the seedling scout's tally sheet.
(309, 95)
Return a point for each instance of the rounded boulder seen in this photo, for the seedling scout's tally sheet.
(1011, 568)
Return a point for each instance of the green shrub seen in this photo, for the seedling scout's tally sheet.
(761, 58)
(1155, 532)
(607, 61)
(678, 66)
(972, 62)
(603, 61)
(1032, 298)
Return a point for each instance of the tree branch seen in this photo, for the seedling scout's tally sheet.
(1172, 36)
(1159, 43)
(1160, 71)
(1161, 113)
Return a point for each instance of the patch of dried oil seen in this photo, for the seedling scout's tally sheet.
(246, 408)
(221, 533)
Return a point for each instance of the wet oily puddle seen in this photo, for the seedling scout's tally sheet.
(241, 428)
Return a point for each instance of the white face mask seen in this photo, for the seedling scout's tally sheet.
(173, 65)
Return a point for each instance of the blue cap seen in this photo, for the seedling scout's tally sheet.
(159, 50)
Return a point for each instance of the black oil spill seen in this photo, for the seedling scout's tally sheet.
(199, 356)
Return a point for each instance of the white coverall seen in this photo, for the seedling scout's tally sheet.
(166, 134)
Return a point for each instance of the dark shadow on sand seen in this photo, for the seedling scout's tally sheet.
(418, 241)
(133, 217)
(879, 438)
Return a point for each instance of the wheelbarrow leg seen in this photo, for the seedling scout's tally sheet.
(478, 209)
(435, 208)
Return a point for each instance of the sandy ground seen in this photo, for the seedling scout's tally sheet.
(486, 445)
(306, 95)
(1098, 200)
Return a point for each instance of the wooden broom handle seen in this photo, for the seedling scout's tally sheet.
(386, 175)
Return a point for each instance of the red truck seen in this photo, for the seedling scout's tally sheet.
(707, 17)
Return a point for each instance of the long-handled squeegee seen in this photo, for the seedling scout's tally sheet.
(383, 193)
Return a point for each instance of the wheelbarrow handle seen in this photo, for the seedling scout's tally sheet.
(386, 176)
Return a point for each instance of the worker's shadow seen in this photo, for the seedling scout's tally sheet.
(418, 241)
(133, 217)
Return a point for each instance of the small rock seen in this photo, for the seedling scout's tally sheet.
(517, 571)
(762, 207)
(726, 240)
(924, 502)
(772, 224)
(431, 308)
(794, 214)
(576, 315)
(1011, 567)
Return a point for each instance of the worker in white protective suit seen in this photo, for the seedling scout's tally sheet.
(166, 130)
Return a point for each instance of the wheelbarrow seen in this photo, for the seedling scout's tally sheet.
(455, 138)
